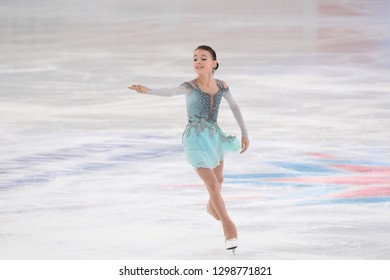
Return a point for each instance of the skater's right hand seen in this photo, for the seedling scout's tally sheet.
(139, 88)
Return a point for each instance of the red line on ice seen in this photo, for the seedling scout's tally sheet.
(367, 192)
(183, 186)
(320, 155)
(347, 180)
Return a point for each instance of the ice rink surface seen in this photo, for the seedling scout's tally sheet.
(91, 170)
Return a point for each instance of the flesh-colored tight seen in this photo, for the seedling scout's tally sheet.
(213, 179)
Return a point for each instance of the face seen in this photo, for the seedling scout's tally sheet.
(203, 62)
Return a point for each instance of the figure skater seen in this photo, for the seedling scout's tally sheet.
(204, 142)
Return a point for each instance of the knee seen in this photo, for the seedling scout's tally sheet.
(213, 187)
(220, 180)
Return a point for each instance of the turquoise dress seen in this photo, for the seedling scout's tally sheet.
(204, 142)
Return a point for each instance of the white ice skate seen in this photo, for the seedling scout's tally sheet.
(231, 244)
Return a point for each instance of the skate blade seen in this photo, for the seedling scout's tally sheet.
(233, 250)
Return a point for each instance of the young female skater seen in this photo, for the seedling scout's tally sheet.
(204, 142)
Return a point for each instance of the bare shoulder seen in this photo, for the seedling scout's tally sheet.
(224, 84)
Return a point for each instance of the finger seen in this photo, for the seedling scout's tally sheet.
(245, 146)
(137, 88)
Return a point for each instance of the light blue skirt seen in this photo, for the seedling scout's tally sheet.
(205, 144)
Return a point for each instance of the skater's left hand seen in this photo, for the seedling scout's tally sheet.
(244, 144)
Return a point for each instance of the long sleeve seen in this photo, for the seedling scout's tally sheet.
(168, 92)
(236, 112)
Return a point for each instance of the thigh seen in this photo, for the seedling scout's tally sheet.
(208, 177)
(218, 171)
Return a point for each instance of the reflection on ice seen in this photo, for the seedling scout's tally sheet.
(90, 170)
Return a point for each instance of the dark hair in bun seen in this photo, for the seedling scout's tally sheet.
(211, 51)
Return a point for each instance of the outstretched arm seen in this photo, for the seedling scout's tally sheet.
(165, 92)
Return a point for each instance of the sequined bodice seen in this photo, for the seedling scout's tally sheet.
(203, 105)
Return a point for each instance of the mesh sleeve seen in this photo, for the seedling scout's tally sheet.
(236, 112)
(168, 92)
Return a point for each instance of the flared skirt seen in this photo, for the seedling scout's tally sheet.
(205, 144)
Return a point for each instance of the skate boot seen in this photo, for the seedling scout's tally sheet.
(231, 244)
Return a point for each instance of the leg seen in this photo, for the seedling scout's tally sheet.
(213, 187)
(218, 171)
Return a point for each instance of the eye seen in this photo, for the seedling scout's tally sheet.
(204, 59)
(195, 59)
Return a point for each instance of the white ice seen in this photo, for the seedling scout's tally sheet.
(91, 170)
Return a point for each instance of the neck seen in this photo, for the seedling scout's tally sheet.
(206, 80)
